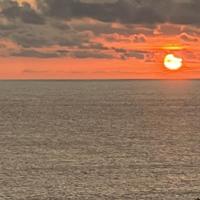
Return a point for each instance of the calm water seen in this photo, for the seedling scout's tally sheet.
(137, 140)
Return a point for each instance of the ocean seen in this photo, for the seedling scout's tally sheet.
(96, 140)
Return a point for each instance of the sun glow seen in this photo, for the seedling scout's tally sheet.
(172, 62)
(173, 47)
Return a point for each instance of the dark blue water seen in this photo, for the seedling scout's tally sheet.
(99, 140)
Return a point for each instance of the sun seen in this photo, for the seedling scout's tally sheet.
(172, 62)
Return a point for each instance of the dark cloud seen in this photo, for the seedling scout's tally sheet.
(93, 46)
(134, 54)
(125, 11)
(99, 28)
(29, 40)
(31, 36)
(62, 53)
(12, 10)
(37, 54)
(73, 25)
(139, 38)
(91, 54)
(6, 27)
(125, 54)
(119, 50)
(188, 38)
(186, 12)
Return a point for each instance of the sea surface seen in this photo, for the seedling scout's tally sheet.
(99, 140)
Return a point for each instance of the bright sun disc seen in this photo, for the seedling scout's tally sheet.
(172, 62)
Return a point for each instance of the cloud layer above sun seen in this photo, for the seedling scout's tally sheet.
(130, 31)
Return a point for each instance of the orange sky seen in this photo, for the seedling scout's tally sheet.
(90, 68)
(93, 49)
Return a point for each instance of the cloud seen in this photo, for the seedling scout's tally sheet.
(91, 54)
(139, 38)
(188, 38)
(63, 53)
(125, 11)
(37, 54)
(31, 36)
(83, 28)
(13, 10)
(134, 54)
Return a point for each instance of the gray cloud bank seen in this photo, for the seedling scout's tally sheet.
(125, 11)
(63, 23)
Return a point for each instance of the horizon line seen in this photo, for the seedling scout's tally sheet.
(142, 79)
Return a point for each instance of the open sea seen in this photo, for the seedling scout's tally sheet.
(99, 140)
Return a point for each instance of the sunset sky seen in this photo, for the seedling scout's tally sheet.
(98, 39)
